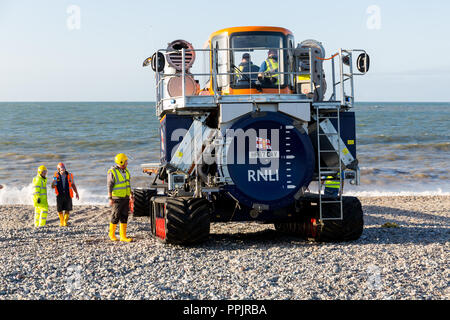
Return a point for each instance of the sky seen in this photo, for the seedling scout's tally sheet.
(81, 50)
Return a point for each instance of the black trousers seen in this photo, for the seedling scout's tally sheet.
(63, 203)
(120, 209)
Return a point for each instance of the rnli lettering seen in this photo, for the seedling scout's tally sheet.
(263, 175)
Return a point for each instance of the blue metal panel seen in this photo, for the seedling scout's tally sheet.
(170, 135)
(348, 132)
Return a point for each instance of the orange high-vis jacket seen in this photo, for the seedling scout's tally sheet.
(69, 179)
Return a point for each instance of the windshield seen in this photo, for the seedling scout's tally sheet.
(256, 60)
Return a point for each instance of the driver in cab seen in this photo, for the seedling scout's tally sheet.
(245, 67)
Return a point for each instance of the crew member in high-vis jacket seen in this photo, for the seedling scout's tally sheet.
(119, 194)
(40, 197)
(64, 187)
(269, 68)
(333, 186)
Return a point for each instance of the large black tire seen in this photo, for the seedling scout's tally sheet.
(142, 205)
(348, 229)
(187, 221)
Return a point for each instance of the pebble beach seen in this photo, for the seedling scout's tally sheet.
(402, 255)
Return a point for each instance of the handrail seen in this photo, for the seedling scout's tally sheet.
(289, 77)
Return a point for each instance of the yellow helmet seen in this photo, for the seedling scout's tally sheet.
(41, 169)
(120, 159)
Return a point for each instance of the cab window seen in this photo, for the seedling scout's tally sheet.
(256, 59)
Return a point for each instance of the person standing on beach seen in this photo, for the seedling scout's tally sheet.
(119, 194)
(64, 187)
(40, 197)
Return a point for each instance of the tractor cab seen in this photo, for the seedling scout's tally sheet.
(252, 60)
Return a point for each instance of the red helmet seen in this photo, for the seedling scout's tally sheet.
(61, 165)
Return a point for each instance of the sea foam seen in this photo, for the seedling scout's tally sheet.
(385, 193)
(24, 195)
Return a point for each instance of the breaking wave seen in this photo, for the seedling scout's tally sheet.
(24, 195)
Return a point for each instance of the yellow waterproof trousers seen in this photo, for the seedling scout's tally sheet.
(40, 216)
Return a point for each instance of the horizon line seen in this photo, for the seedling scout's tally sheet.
(149, 101)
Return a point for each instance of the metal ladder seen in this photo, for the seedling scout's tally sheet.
(329, 170)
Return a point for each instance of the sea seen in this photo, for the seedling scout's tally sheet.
(402, 147)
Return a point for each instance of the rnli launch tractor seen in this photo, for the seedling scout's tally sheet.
(248, 135)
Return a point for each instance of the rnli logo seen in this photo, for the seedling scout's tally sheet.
(263, 144)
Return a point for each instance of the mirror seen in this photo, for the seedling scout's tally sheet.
(152, 60)
(363, 63)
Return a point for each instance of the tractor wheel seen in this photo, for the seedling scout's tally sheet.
(350, 228)
(182, 221)
(141, 204)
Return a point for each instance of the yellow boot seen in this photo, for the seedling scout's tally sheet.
(112, 231)
(66, 219)
(61, 219)
(123, 233)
